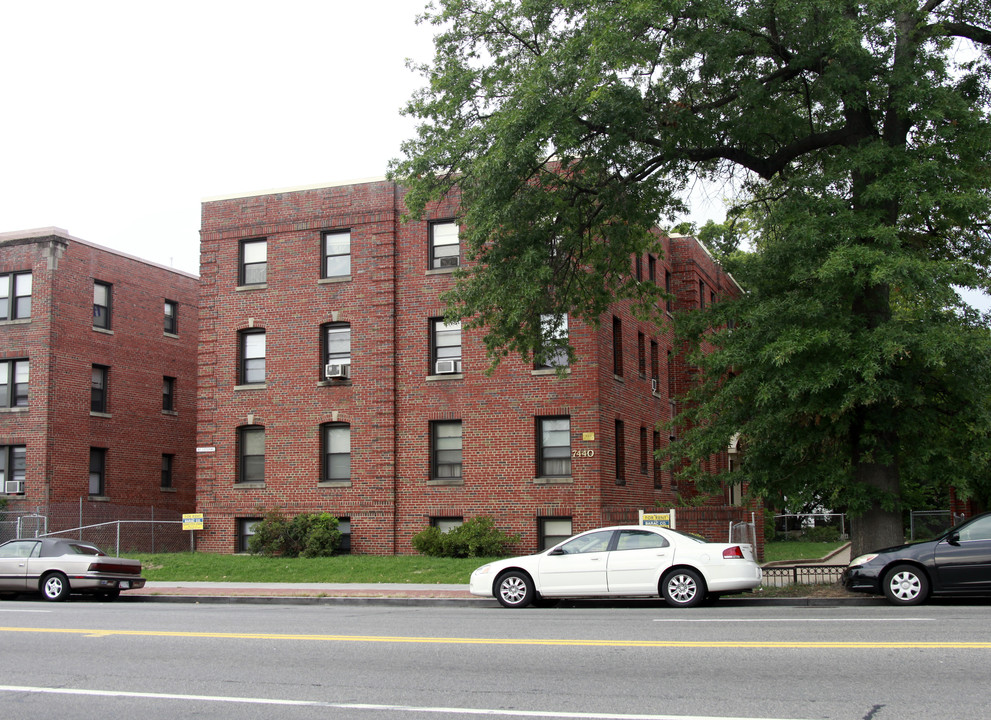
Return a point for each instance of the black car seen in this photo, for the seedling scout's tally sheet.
(958, 562)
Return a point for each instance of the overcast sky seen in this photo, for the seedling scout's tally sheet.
(119, 118)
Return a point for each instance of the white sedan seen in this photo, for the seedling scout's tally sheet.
(624, 561)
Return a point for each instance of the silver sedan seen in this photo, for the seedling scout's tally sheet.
(56, 567)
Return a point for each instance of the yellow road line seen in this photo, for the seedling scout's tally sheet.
(574, 642)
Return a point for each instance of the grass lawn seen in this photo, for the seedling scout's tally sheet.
(208, 567)
(798, 550)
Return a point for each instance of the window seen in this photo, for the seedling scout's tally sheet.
(336, 442)
(643, 450)
(15, 296)
(14, 376)
(252, 365)
(245, 530)
(639, 540)
(445, 341)
(617, 347)
(336, 351)
(13, 464)
(591, 543)
(445, 250)
(654, 365)
(446, 524)
(97, 471)
(251, 454)
(652, 268)
(669, 302)
(167, 463)
(102, 295)
(555, 328)
(641, 355)
(554, 447)
(168, 394)
(337, 254)
(620, 453)
(254, 262)
(445, 449)
(344, 526)
(172, 317)
(671, 385)
(638, 264)
(655, 448)
(98, 401)
(701, 295)
(552, 530)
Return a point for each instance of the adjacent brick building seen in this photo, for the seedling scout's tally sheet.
(97, 379)
(328, 382)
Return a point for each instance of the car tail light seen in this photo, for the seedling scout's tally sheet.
(733, 553)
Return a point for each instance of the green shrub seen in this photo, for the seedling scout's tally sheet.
(307, 535)
(822, 533)
(478, 537)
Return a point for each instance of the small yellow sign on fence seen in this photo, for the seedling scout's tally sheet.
(192, 521)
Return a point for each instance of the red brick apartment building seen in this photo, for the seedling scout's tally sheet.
(97, 381)
(328, 382)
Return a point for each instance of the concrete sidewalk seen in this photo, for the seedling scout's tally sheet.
(403, 594)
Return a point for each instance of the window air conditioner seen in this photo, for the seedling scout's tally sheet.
(14, 487)
(334, 370)
(452, 261)
(445, 366)
(653, 385)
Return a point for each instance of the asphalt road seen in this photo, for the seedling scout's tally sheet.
(152, 660)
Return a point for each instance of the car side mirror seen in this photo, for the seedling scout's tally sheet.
(556, 551)
(953, 538)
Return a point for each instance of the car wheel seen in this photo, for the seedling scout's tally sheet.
(514, 589)
(55, 586)
(905, 585)
(683, 588)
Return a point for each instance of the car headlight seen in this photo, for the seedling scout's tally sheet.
(482, 570)
(863, 559)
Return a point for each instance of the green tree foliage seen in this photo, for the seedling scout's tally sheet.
(857, 136)
(478, 537)
(305, 535)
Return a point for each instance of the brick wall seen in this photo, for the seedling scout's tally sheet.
(393, 395)
(58, 427)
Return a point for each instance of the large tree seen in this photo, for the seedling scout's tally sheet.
(855, 133)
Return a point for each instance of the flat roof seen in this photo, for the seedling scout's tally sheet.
(297, 188)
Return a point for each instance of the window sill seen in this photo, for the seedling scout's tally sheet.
(446, 376)
(103, 331)
(98, 498)
(549, 371)
(254, 485)
(249, 288)
(16, 321)
(446, 482)
(618, 378)
(171, 335)
(442, 271)
(168, 489)
(13, 409)
(173, 413)
(553, 481)
(334, 383)
(93, 413)
(334, 280)
(251, 386)
(334, 484)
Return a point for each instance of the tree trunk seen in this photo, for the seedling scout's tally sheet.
(877, 528)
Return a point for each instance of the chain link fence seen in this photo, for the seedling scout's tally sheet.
(115, 529)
